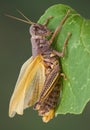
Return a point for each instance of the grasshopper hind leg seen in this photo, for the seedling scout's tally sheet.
(47, 108)
(47, 20)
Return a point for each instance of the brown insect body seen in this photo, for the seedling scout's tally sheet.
(49, 95)
(40, 45)
(38, 83)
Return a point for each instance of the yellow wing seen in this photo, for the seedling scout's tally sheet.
(29, 85)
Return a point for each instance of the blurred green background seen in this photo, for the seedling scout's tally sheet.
(15, 49)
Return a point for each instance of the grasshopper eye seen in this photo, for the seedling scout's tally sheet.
(32, 30)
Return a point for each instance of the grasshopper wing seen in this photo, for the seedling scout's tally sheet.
(49, 84)
(29, 85)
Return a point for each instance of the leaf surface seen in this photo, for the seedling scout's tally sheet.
(76, 62)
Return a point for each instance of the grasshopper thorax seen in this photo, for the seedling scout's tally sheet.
(39, 30)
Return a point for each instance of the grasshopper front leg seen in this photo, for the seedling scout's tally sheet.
(61, 54)
(59, 27)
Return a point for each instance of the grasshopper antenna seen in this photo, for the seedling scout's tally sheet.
(28, 21)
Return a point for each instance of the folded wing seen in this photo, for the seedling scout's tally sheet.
(29, 85)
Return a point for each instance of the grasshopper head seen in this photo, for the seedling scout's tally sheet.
(39, 30)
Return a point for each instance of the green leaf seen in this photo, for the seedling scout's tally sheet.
(76, 62)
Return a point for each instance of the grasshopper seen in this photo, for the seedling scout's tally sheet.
(38, 84)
